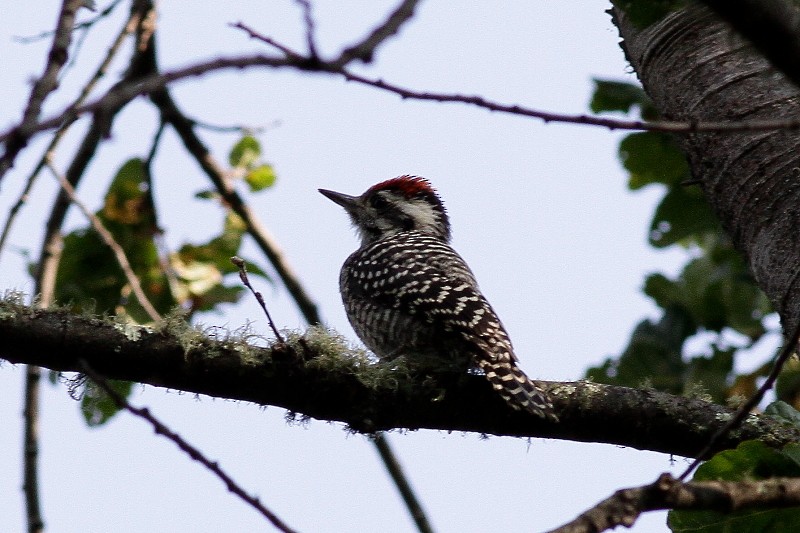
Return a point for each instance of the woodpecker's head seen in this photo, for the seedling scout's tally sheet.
(407, 203)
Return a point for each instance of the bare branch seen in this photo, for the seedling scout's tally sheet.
(30, 476)
(235, 128)
(101, 71)
(83, 25)
(625, 506)
(253, 34)
(242, 266)
(773, 28)
(308, 19)
(365, 50)
(52, 240)
(124, 93)
(193, 452)
(403, 486)
(47, 83)
(108, 239)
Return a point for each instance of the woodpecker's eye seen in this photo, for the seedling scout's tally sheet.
(378, 202)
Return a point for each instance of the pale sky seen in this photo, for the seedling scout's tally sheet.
(541, 213)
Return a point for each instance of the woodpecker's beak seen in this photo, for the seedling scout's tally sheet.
(350, 203)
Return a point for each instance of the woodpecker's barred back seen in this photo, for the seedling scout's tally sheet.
(407, 292)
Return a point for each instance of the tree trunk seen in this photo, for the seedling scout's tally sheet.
(696, 68)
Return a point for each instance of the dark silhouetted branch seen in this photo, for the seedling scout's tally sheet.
(193, 452)
(625, 506)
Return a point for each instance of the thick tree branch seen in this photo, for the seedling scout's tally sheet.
(694, 68)
(625, 506)
(317, 376)
(773, 27)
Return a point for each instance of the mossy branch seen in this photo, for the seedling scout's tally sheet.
(317, 374)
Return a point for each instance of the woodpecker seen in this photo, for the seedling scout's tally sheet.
(407, 292)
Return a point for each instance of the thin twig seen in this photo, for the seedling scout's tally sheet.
(151, 154)
(193, 452)
(108, 239)
(235, 128)
(308, 19)
(403, 486)
(266, 39)
(789, 348)
(242, 266)
(164, 252)
(83, 25)
(101, 71)
(46, 84)
(125, 92)
(365, 50)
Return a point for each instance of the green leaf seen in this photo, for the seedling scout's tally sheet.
(651, 157)
(755, 521)
(126, 201)
(97, 406)
(682, 213)
(784, 412)
(201, 268)
(208, 194)
(219, 294)
(787, 387)
(751, 460)
(716, 291)
(89, 276)
(711, 373)
(653, 354)
(260, 177)
(610, 95)
(245, 152)
(662, 290)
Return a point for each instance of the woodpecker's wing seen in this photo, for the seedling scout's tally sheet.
(423, 277)
(418, 279)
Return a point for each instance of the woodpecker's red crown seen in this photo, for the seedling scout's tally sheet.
(409, 186)
(405, 203)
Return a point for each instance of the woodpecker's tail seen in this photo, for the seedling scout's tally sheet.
(517, 389)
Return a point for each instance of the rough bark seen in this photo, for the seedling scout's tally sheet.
(316, 376)
(695, 67)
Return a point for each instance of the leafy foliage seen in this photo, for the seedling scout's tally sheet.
(245, 157)
(713, 294)
(192, 278)
(97, 407)
(611, 95)
(751, 460)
